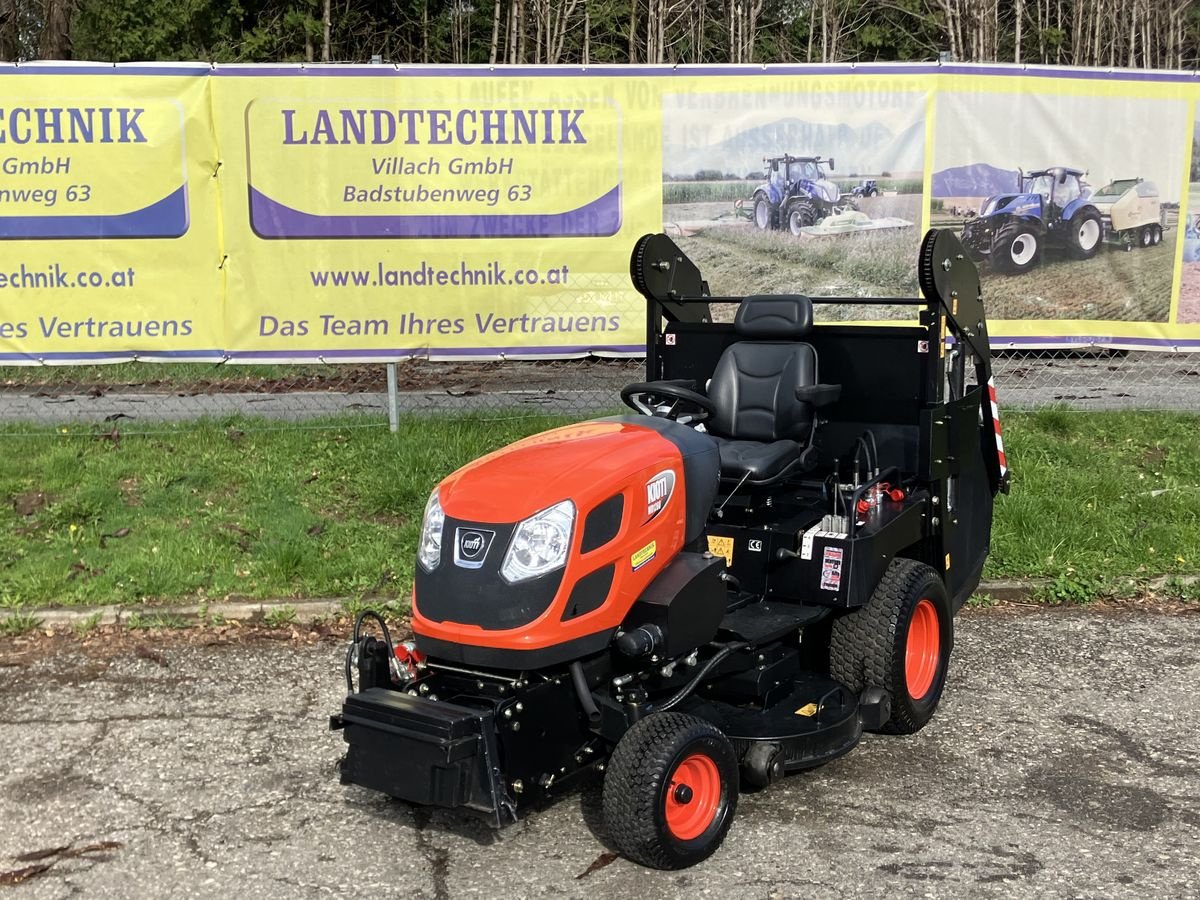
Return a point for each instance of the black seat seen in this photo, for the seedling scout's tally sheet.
(765, 390)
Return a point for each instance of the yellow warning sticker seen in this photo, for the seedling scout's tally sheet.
(643, 556)
(808, 709)
(947, 562)
(721, 546)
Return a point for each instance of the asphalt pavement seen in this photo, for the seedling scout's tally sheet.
(1064, 762)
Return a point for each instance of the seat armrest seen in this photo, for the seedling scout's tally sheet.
(819, 394)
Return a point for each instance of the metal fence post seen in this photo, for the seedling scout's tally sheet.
(393, 400)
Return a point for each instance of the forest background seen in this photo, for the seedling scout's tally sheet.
(1124, 33)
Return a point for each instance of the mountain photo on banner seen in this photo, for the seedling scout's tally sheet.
(813, 192)
(1070, 204)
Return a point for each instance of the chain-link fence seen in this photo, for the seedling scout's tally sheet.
(133, 397)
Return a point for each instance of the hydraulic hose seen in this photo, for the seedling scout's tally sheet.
(683, 692)
(354, 638)
(586, 700)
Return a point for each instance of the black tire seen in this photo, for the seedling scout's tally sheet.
(873, 192)
(766, 217)
(641, 799)
(1156, 231)
(1016, 249)
(1085, 234)
(801, 214)
(870, 646)
(1146, 236)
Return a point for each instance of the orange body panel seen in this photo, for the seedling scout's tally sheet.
(587, 464)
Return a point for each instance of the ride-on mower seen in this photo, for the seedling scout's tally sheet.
(729, 586)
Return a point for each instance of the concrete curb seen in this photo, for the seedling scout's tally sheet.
(253, 612)
(256, 612)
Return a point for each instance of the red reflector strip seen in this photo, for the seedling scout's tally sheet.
(996, 428)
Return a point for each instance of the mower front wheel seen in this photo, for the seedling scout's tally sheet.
(900, 641)
(670, 791)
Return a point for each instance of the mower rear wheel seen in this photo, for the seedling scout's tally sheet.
(670, 791)
(900, 641)
(1015, 249)
(1084, 233)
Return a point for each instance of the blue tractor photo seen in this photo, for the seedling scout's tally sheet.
(797, 193)
(868, 187)
(1050, 208)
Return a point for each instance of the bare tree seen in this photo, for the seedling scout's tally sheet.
(55, 41)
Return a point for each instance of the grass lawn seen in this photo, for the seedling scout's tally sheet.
(241, 508)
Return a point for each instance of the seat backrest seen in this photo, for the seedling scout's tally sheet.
(754, 383)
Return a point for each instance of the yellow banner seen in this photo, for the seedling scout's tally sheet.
(433, 215)
(370, 213)
(109, 240)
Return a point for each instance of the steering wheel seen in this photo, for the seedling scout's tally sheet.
(668, 401)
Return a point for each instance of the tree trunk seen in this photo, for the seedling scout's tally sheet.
(55, 40)
(494, 51)
(633, 27)
(587, 35)
(327, 29)
(1020, 17)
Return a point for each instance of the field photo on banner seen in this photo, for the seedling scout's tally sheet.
(1102, 176)
(1189, 287)
(804, 185)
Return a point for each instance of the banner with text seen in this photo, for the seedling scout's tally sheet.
(250, 214)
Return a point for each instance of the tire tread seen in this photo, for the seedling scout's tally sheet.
(638, 765)
(864, 647)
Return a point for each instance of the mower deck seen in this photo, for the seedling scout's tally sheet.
(818, 721)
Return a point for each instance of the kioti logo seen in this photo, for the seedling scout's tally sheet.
(471, 547)
(658, 493)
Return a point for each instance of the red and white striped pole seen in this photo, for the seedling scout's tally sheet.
(996, 427)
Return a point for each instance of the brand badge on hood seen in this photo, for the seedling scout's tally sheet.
(471, 546)
(658, 492)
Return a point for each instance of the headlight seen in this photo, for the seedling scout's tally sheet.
(429, 551)
(540, 544)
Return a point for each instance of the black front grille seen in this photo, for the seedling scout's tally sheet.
(474, 593)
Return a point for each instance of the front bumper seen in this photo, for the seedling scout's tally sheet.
(425, 752)
(977, 239)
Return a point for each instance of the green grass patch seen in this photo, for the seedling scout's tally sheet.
(16, 624)
(1098, 496)
(707, 191)
(235, 508)
(219, 509)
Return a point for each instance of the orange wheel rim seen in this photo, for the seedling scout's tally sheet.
(922, 649)
(693, 797)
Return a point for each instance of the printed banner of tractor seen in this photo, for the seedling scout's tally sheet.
(357, 213)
